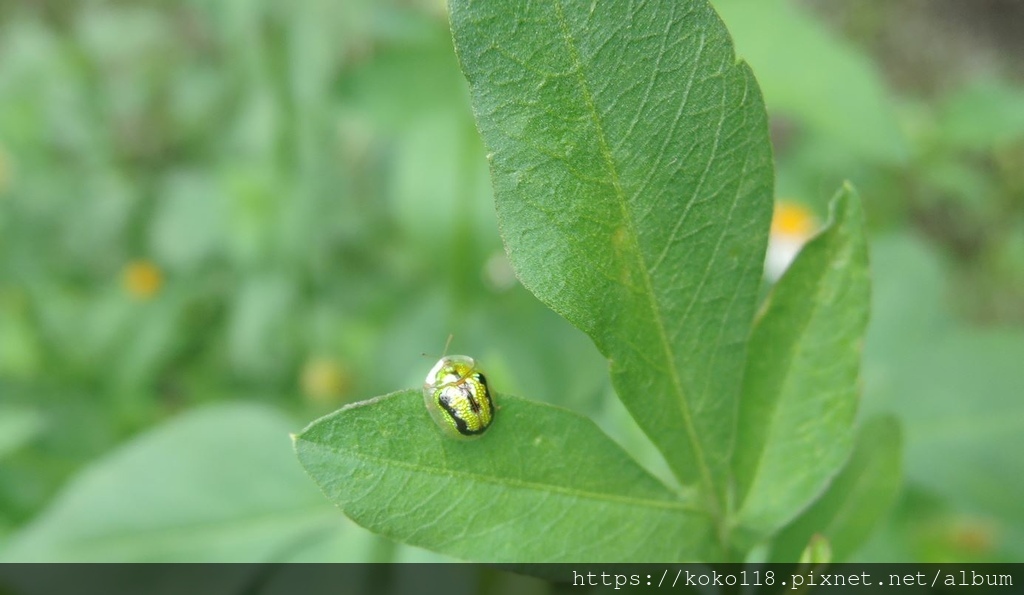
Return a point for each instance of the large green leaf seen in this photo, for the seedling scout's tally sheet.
(800, 389)
(542, 485)
(857, 498)
(216, 484)
(632, 173)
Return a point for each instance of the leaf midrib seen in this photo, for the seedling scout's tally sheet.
(631, 233)
(504, 481)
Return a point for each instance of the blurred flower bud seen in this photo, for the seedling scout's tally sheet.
(324, 380)
(818, 551)
(792, 225)
(498, 273)
(142, 279)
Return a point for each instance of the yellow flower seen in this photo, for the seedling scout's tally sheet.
(972, 536)
(142, 279)
(323, 380)
(793, 219)
(792, 225)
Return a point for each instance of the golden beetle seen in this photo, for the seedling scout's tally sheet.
(456, 395)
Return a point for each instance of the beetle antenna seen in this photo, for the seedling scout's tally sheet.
(446, 344)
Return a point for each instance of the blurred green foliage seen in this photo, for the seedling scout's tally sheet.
(241, 200)
(288, 203)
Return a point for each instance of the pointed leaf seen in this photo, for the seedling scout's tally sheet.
(800, 390)
(538, 472)
(858, 497)
(632, 176)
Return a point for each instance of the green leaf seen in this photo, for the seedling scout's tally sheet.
(960, 399)
(858, 497)
(632, 173)
(809, 75)
(189, 222)
(908, 310)
(261, 336)
(542, 485)
(983, 115)
(18, 426)
(818, 551)
(800, 391)
(955, 389)
(216, 484)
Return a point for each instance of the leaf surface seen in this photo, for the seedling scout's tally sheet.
(632, 174)
(800, 392)
(855, 501)
(541, 485)
(217, 484)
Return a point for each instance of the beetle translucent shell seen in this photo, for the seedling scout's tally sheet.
(457, 397)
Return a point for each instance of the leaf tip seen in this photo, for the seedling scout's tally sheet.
(845, 209)
(846, 198)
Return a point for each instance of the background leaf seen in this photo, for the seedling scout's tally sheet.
(18, 426)
(632, 177)
(538, 471)
(187, 491)
(983, 115)
(801, 385)
(965, 420)
(956, 391)
(857, 498)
